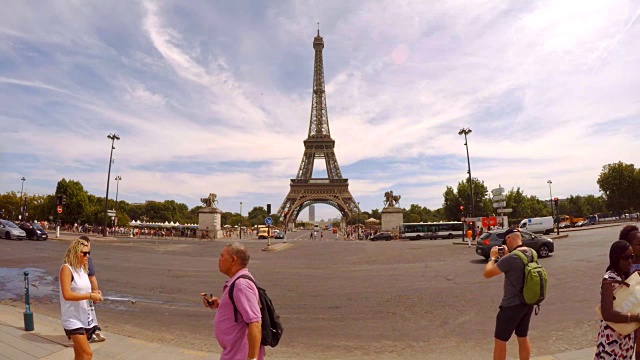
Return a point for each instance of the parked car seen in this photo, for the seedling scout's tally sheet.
(579, 224)
(279, 235)
(34, 231)
(9, 230)
(564, 225)
(542, 245)
(382, 236)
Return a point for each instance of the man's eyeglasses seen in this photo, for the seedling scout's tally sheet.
(627, 257)
(85, 253)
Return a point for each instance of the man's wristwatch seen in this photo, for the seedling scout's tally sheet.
(494, 259)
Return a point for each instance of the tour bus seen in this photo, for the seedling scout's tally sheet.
(439, 230)
(316, 227)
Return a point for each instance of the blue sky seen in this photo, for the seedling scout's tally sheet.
(215, 96)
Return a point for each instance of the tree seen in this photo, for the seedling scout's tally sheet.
(451, 204)
(257, 215)
(10, 205)
(620, 184)
(454, 199)
(525, 206)
(76, 201)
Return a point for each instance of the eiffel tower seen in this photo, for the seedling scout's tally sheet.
(304, 189)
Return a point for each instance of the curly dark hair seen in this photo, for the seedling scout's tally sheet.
(616, 251)
(627, 232)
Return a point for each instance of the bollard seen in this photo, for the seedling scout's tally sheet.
(28, 315)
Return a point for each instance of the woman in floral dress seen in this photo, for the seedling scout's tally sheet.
(611, 344)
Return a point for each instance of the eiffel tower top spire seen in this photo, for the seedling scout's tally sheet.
(319, 122)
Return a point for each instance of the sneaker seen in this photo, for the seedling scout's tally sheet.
(97, 337)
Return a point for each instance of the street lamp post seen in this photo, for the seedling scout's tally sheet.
(21, 201)
(358, 224)
(465, 132)
(551, 203)
(113, 138)
(240, 229)
(117, 179)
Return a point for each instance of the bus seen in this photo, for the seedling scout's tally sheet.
(439, 230)
(316, 227)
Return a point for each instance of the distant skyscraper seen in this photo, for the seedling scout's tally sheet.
(312, 213)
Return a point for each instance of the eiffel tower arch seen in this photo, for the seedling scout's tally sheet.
(306, 190)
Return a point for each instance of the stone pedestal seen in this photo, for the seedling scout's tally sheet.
(391, 219)
(209, 218)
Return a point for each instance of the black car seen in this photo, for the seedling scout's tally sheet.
(382, 236)
(542, 245)
(34, 231)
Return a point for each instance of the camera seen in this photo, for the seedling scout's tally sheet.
(501, 251)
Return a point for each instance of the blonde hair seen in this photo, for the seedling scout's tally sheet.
(71, 256)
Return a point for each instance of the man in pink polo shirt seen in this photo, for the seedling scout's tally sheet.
(239, 340)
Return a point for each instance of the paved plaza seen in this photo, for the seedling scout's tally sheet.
(338, 299)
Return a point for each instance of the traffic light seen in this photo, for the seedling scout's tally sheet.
(268, 209)
(59, 199)
(461, 208)
(555, 201)
(64, 199)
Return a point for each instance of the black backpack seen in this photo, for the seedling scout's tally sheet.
(271, 325)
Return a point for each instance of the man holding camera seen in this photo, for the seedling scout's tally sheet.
(514, 315)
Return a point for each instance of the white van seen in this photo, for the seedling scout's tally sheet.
(538, 225)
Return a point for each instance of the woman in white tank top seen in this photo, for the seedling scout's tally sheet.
(75, 293)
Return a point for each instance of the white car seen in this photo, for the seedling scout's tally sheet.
(9, 230)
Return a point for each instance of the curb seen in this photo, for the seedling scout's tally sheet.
(559, 236)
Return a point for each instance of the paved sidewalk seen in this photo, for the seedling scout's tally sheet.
(48, 342)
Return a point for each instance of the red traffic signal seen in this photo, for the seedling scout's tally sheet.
(461, 208)
(555, 201)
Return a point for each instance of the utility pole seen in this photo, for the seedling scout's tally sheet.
(240, 230)
(21, 202)
(117, 179)
(465, 132)
(113, 138)
(551, 200)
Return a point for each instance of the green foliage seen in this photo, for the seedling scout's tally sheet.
(620, 184)
(526, 206)
(454, 199)
(417, 213)
(76, 200)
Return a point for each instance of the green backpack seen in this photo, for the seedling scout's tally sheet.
(534, 289)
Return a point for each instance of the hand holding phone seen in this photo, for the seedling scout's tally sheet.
(210, 301)
(501, 251)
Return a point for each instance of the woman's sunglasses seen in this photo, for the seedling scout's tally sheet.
(627, 257)
(85, 253)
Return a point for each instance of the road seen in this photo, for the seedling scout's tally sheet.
(337, 299)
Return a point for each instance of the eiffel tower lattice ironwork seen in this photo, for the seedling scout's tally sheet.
(304, 189)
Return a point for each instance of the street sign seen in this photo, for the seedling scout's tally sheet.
(268, 221)
(111, 213)
(59, 209)
(499, 204)
(497, 191)
(497, 198)
(505, 210)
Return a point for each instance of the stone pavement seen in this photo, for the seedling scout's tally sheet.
(48, 342)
